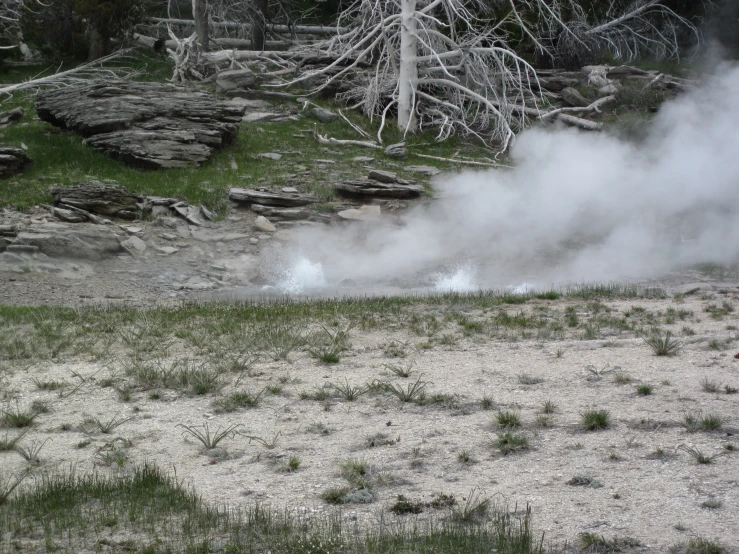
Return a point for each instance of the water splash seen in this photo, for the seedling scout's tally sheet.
(462, 280)
(523, 288)
(302, 276)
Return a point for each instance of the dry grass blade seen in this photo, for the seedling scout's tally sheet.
(210, 440)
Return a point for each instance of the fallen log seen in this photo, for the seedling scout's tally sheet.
(296, 29)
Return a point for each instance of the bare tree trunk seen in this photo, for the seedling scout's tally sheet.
(408, 74)
(259, 29)
(99, 45)
(200, 13)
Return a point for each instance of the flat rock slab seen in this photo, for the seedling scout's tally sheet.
(57, 240)
(99, 198)
(12, 161)
(251, 196)
(423, 169)
(366, 187)
(148, 125)
(291, 214)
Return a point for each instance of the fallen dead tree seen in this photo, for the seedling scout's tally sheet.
(291, 29)
(82, 74)
(441, 64)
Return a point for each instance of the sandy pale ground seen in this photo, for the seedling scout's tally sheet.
(643, 495)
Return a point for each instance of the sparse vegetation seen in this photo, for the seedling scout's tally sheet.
(595, 420)
(662, 344)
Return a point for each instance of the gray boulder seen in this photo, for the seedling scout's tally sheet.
(99, 198)
(267, 198)
(323, 115)
(235, 79)
(57, 240)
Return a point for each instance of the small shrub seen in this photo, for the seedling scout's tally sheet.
(710, 386)
(525, 379)
(508, 443)
(405, 506)
(549, 407)
(585, 481)
(595, 420)
(508, 420)
(663, 344)
(644, 389)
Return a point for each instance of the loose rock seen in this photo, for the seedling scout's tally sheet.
(6, 118)
(399, 150)
(365, 213)
(64, 241)
(99, 198)
(251, 196)
(235, 79)
(12, 161)
(264, 224)
(323, 115)
(573, 97)
(366, 187)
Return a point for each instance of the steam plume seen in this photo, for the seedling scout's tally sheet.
(577, 207)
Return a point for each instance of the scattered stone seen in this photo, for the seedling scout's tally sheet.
(144, 124)
(131, 230)
(159, 211)
(556, 83)
(253, 240)
(6, 118)
(169, 236)
(12, 161)
(8, 230)
(251, 196)
(264, 224)
(22, 249)
(323, 115)
(270, 156)
(261, 117)
(399, 151)
(366, 187)
(423, 169)
(161, 201)
(289, 190)
(385, 177)
(134, 245)
(235, 79)
(282, 213)
(166, 250)
(99, 198)
(365, 213)
(62, 241)
(69, 216)
(207, 214)
(188, 213)
(363, 159)
(572, 97)
(249, 103)
(318, 161)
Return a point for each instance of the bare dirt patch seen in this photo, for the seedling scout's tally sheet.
(298, 422)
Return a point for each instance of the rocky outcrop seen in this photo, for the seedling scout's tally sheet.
(235, 79)
(149, 125)
(64, 241)
(380, 183)
(270, 198)
(6, 118)
(12, 161)
(98, 198)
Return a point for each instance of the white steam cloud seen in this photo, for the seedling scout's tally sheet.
(577, 207)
